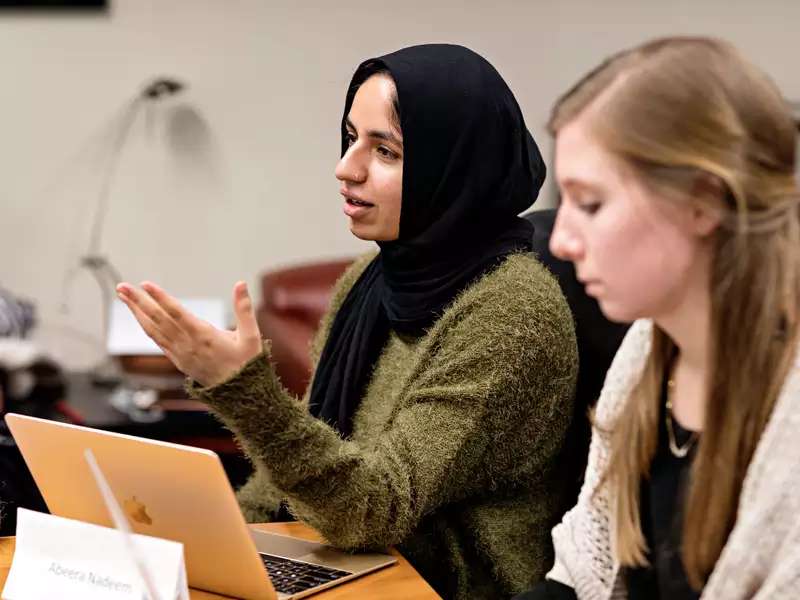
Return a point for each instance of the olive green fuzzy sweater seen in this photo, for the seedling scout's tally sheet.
(453, 451)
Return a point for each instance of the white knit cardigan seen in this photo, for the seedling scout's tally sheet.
(761, 558)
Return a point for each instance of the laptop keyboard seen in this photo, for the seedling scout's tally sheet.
(292, 576)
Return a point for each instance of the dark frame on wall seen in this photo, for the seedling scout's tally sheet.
(54, 4)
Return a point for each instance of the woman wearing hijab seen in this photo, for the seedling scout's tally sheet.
(444, 370)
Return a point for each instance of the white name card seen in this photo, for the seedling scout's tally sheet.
(72, 560)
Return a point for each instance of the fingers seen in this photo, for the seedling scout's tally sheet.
(182, 318)
(131, 298)
(246, 322)
(148, 306)
(168, 329)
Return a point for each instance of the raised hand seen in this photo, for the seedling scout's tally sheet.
(206, 354)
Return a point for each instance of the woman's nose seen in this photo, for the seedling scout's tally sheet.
(351, 167)
(564, 242)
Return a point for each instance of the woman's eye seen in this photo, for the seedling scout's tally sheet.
(350, 138)
(386, 153)
(590, 207)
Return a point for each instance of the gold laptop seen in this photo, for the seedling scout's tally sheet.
(179, 493)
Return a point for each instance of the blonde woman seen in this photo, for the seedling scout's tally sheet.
(676, 163)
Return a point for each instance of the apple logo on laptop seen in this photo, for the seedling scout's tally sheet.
(137, 511)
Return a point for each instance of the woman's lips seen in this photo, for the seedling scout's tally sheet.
(592, 288)
(354, 208)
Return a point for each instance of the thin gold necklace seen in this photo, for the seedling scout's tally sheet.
(677, 451)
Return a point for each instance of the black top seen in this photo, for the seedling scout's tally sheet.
(661, 506)
(598, 341)
(662, 521)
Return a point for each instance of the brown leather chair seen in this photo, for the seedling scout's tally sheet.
(293, 300)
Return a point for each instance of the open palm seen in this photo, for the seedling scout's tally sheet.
(201, 351)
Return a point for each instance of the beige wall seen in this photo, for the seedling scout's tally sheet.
(269, 79)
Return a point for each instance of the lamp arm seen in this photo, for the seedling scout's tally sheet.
(95, 238)
(107, 278)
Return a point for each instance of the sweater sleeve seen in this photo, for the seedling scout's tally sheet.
(500, 367)
(259, 498)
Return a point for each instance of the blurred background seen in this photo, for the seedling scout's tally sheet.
(193, 143)
(234, 176)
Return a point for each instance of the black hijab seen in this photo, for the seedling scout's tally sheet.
(470, 166)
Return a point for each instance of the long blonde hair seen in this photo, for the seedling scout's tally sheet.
(677, 111)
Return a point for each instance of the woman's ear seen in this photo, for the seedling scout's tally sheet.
(709, 193)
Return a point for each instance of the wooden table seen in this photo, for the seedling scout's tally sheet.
(399, 581)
